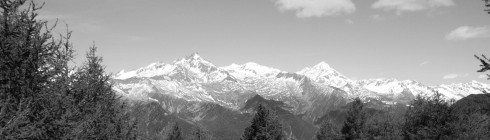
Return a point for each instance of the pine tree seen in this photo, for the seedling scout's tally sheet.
(200, 134)
(485, 64)
(328, 131)
(33, 74)
(487, 4)
(98, 113)
(428, 118)
(354, 124)
(175, 133)
(473, 126)
(386, 126)
(265, 126)
(40, 96)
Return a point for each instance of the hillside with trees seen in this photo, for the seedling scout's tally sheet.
(42, 96)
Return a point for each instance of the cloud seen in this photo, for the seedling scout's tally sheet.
(317, 8)
(467, 32)
(454, 76)
(410, 5)
(424, 63)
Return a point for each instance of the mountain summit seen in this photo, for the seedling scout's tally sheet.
(323, 73)
(255, 77)
(194, 90)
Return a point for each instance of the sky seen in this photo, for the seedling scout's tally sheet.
(430, 41)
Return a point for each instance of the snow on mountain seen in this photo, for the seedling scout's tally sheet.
(192, 68)
(151, 70)
(194, 89)
(323, 73)
(196, 64)
(250, 69)
(458, 91)
(194, 79)
(393, 86)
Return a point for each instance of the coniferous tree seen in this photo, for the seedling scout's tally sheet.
(175, 133)
(98, 112)
(41, 97)
(474, 126)
(487, 4)
(33, 74)
(354, 124)
(328, 131)
(265, 126)
(485, 64)
(200, 134)
(385, 126)
(428, 118)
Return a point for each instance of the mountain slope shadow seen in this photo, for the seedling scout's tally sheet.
(474, 103)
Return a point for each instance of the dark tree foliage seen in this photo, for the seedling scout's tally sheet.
(472, 104)
(428, 118)
(472, 120)
(487, 4)
(328, 131)
(33, 64)
(174, 133)
(354, 124)
(41, 97)
(265, 126)
(200, 134)
(96, 109)
(474, 126)
(384, 126)
(485, 64)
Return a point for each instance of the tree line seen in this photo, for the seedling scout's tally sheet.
(426, 117)
(42, 97)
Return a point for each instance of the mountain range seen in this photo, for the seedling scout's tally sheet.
(194, 91)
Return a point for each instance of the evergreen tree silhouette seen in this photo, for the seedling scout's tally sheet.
(33, 74)
(328, 131)
(428, 118)
(354, 123)
(265, 126)
(485, 64)
(98, 112)
(175, 133)
(487, 4)
(200, 134)
(41, 97)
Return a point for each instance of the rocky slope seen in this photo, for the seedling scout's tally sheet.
(198, 92)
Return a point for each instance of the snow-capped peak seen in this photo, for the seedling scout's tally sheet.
(195, 56)
(322, 66)
(194, 60)
(319, 70)
(154, 69)
(323, 73)
(193, 77)
(250, 69)
(476, 83)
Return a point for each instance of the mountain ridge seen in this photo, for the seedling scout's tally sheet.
(196, 91)
(195, 69)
